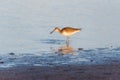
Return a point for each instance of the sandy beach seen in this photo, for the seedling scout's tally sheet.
(66, 72)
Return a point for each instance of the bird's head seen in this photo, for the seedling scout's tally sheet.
(56, 29)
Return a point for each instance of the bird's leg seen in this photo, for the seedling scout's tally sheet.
(67, 42)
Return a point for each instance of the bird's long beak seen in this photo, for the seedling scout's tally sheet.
(52, 31)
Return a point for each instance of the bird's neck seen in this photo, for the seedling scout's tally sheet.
(58, 30)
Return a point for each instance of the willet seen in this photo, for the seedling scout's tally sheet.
(67, 31)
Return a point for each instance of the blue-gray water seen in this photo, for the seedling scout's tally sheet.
(25, 27)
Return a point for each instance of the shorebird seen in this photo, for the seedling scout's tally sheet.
(67, 31)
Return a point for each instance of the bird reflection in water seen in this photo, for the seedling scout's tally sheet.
(65, 50)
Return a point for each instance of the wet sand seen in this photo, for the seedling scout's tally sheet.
(66, 72)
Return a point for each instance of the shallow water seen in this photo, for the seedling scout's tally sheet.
(44, 58)
(25, 27)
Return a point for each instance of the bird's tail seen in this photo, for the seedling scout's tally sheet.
(79, 29)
